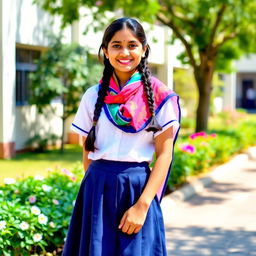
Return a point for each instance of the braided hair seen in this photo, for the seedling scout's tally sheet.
(145, 77)
(143, 69)
(107, 73)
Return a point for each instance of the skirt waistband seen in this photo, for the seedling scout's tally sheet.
(119, 166)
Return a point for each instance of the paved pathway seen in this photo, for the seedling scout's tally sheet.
(220, 220)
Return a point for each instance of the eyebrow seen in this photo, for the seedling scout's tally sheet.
(119, 42)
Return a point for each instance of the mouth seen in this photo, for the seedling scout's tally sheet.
(125, 61)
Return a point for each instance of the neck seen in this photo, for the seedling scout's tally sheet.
(122, 79)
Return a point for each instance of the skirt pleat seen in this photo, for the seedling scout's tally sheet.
(108, 189)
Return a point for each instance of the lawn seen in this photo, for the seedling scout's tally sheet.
(31, 163)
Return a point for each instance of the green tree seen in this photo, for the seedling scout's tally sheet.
(213, 32)
(63, 74)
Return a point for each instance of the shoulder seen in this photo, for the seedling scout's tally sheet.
(155, 81)
(91, 93)
(161, 90)
(158, 85)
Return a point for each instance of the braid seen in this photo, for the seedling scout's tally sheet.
(103, 88)
(145, 77)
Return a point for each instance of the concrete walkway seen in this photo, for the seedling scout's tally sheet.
(220, 220)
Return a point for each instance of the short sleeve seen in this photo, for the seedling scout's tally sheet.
(167, 117)
(82, 122)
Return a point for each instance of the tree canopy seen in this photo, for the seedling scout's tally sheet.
(213, 32)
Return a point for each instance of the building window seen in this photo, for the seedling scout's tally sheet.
(24, 66)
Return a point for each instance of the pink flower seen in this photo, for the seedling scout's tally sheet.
(213, 135)
(55, 201)
(98, 3)
(69, 174)
(73, 178)
(32, 199)
(198, 134)
(16, 191)
(188, 148)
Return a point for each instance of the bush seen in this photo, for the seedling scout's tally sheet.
(194, 154)
(40, 143)
(35, 213)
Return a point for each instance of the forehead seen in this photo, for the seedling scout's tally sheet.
(124, 35)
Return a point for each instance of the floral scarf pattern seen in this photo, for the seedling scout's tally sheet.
(127, 107)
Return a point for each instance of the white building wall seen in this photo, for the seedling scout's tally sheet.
(246, 64)
(7, 71)
(30, 123)
(33, 24)
(229, 99)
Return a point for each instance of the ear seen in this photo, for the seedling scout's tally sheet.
(144, 51)
(105, 52)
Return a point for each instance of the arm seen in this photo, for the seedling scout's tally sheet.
(163, 149)
(86, 161)
(134, 217)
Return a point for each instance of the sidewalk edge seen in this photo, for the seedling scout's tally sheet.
(188, 190)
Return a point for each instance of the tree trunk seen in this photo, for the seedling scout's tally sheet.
(203, 76)
(202, 111)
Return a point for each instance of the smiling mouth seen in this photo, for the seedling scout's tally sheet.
(124, 61)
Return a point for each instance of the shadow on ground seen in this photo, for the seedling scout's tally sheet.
(199, 241)
(222, 189)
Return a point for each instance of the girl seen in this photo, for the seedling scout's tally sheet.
(123, 120)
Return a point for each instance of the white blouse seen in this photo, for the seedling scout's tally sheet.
(111, 142)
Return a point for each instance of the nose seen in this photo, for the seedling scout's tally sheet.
(125, 51)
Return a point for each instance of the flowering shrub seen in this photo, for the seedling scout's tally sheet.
(196, 153)
(35, 212)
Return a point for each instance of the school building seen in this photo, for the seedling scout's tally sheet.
(23, 39)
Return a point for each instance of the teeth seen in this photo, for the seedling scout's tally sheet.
(124, 61)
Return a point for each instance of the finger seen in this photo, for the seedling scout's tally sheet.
(122, 220)
(125, 227)
(137, 229)
(130, 230)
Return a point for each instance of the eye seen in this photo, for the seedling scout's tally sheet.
(117, 46)
(132, 46)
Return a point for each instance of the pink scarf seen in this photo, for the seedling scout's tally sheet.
(127, 107)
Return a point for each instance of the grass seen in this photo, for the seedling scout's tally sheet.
(31, 163)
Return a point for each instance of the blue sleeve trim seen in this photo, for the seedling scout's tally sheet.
(80, 128)
(169, 122)
(170, 167)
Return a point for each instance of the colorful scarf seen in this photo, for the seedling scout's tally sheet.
(127, 107)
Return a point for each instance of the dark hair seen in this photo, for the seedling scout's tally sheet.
(143, 69)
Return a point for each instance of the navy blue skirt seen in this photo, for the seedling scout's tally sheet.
(108, 189)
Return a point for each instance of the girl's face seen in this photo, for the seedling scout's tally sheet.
(124, 52)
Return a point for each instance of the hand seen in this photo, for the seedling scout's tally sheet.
(133, 219)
